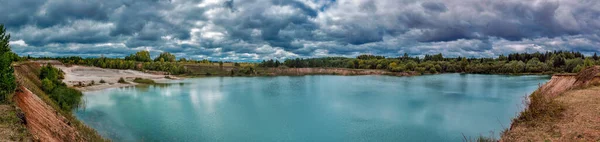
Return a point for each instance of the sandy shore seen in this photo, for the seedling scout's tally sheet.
(75, 75)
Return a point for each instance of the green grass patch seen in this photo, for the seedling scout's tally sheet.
(144, 81)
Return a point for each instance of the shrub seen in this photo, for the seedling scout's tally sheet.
(47, 85)
(121, 80)
(66, 98)
(102, 81)
(143, 81)
(49, 72)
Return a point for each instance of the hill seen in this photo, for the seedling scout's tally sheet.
(564, 109)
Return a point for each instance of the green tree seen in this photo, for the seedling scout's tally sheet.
(166, 57)
(7, 79)
(49, 72)
(140, 56)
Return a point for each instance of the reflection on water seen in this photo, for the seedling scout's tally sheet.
(310, 108)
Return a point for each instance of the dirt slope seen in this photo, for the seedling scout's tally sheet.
(579, 120)
(561, 83)
(43, 121)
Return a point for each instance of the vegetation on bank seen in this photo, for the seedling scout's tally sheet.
(540, 109)
(143, 81)
(121, 80)
(12, 120)
(516, 63)
(66, 98)
(7, 79)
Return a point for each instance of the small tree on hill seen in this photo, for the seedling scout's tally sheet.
(7, 79)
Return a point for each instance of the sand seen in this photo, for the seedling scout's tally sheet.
(85, 74)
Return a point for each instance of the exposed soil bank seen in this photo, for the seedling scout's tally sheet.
(43, 118)
(43, 121)
(579, 121)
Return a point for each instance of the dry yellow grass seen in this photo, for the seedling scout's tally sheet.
(580, 120)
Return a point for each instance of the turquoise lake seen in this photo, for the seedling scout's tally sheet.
(311, 108)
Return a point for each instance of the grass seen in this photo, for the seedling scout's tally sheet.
(481, 138)
(12, 124)
(540, 110)
(144, 81)
(26, 75)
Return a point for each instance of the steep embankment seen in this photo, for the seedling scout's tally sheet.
(44, 119)
(564, 109)
(336, 71)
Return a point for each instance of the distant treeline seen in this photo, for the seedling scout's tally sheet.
(548, 62)
(139, 61)
(165, 62)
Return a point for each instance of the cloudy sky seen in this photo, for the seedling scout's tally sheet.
(249, 30)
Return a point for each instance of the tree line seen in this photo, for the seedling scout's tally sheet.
(138, 61)
(515, 63)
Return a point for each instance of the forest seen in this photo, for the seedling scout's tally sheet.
(515, 63)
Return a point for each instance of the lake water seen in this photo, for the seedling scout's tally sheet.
(311, 108)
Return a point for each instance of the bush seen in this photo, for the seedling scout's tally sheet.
(102, 81)
(47, 85)
(66, 98)
(121, 80)
(143, 81)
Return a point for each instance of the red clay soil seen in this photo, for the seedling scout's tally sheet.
(561, 83)
(43, 122)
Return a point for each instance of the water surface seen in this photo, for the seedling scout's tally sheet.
(310, 108)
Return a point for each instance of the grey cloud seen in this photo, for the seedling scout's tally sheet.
(434, 6)
(251, 29)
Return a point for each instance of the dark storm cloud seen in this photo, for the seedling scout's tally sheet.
(434, 6)
(261, 29)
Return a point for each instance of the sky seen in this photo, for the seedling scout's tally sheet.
(252, 30)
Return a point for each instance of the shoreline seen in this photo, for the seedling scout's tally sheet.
(86, 78)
